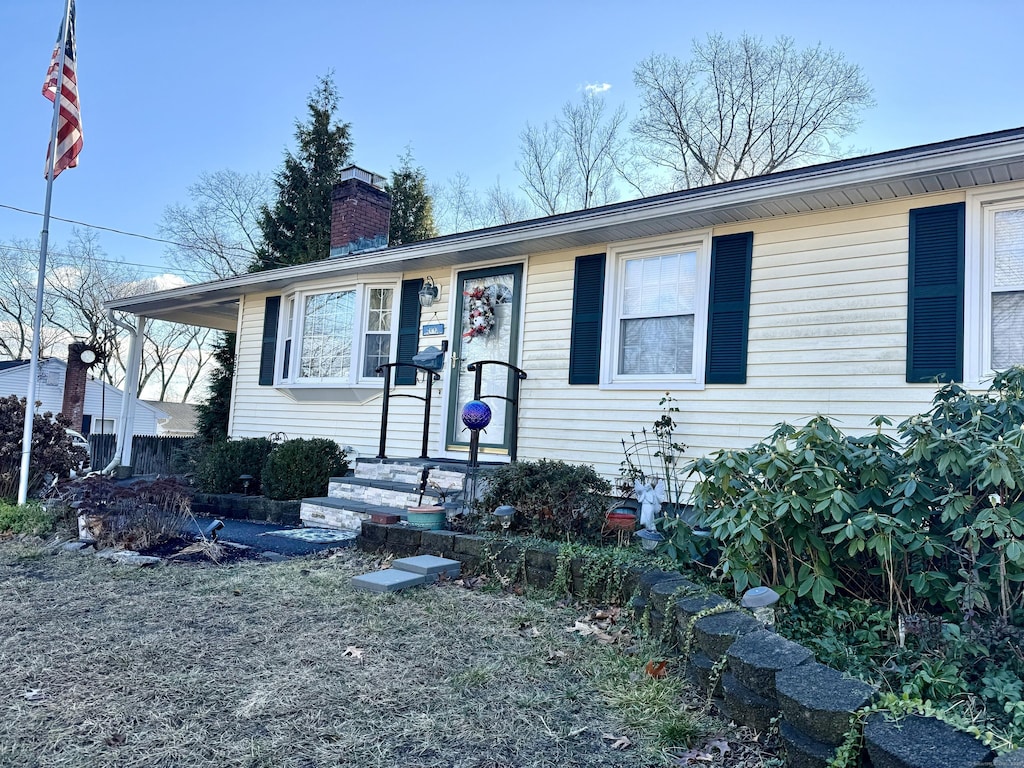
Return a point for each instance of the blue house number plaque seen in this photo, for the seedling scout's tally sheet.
(433, 329)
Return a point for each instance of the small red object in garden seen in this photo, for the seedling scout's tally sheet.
(383, 518)
(621, 521)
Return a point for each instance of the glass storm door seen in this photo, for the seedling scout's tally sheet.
(486, 319)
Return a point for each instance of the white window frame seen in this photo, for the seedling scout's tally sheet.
(618, 255)
(979, 277)
(292, 327)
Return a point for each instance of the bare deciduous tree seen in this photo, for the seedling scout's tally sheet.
(594, 142)
(218, 234)
(174, 358)
(18, 260)
(742, 108)
(79, 279)
(545, 166)
(456, 205)
(571, 163)
(502, 206)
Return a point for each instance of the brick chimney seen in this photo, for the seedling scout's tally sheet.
(74, 385)
(360, 213)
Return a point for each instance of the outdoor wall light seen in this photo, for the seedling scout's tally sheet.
(429, 292)
(649, 540)
(761, 601)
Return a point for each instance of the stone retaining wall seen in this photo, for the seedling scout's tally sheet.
(765, 676)
(239, 507)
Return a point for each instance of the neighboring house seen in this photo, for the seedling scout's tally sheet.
(842, 289)
(180, 419)
(102, 401)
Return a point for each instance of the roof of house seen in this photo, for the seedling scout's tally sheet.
(181, 417)
(956, 164)
(152, 405)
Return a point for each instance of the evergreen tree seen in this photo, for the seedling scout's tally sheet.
(297, 227)
(212, 413)
(412, 208)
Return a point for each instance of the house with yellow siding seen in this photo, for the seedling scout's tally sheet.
(845, 289)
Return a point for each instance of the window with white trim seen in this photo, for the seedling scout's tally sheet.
(337, 338)
(1006, 228)
(994, 282)
(659, 295)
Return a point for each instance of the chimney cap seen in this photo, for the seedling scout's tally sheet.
(355, 172)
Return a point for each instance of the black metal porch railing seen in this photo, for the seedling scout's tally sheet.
(429, 379)
(516, 375)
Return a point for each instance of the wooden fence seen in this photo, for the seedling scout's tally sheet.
(151, 454)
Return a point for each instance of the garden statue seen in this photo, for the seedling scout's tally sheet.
(651, 495)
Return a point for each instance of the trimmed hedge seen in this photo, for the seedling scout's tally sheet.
(300, 468)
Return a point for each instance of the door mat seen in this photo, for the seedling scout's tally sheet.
(315, 535)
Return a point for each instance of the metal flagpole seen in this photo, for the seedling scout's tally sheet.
(37, 319)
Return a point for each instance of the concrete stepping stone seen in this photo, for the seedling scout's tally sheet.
(428, 566)
(389, 580)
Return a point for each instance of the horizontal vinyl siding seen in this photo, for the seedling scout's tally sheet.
(827, 336)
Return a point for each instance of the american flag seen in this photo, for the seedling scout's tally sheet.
(69, 127)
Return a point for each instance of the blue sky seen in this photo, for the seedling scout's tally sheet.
(172, 89)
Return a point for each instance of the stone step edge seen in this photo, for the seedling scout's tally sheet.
(351, 505)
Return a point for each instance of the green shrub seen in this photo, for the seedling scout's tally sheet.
(552, 499)
(301, 468)
(52, 453)
(220, 464)
(936, 522)
(31, 518)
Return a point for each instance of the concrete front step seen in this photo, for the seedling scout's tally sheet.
(407, 572)
(430, 566)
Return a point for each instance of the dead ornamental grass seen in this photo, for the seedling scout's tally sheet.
(104, 665)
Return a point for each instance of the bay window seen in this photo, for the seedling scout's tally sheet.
(336, 337)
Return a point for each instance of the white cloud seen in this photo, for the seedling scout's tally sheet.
(593, 88)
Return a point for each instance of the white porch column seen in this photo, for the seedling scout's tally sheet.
(125, 424)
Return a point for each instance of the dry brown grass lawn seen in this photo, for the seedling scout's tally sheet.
(246, 665)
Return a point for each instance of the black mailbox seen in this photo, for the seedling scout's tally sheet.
(431, 357)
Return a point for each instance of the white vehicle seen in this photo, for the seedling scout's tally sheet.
(78, 440)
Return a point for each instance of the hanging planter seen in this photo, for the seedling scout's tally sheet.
(430, 518)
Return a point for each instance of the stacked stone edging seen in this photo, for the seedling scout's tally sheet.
(239, 507)
(766, 677)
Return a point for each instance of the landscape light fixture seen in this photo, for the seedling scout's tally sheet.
(761, 601)
(429, 292)
(649, 539)
(503, 515)
(210, 531)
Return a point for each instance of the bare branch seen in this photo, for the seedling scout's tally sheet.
(218, 235)
(742, 108)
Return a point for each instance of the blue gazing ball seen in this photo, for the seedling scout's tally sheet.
(476, 414)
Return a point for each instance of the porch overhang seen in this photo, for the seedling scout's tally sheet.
(952, 165)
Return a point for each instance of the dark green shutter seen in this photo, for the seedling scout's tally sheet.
(587, 306)
(729, 309)
(408, 330)
(271, 312)
(935, 294)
